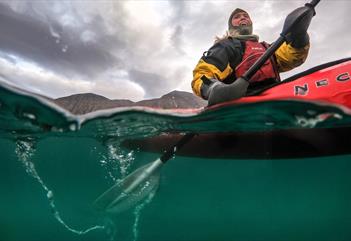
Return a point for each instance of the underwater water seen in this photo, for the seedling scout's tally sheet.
(54, 165)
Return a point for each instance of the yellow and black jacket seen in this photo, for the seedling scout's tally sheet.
(221, 60)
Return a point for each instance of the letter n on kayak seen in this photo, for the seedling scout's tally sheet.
(301, 90)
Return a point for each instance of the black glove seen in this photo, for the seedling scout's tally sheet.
(296, 25)
(217, 92)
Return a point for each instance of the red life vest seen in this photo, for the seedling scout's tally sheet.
(253, 51)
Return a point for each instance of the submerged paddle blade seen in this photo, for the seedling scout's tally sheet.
(129, 191)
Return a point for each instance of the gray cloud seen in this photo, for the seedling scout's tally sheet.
(178, 39)
(48, 43)
(153, 84)
(111, 47)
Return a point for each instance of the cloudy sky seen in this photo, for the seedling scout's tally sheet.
(140, 49)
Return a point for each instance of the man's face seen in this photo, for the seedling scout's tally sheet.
(241, 19)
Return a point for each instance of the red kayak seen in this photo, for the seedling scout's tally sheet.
(329, 83)
(325, 85)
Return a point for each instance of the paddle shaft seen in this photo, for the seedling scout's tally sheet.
(168, 154)
(258, 64)
(314, 3)
(270, 51)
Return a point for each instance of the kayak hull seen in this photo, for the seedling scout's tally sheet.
(285, 144)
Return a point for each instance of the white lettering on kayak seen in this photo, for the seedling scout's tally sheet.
(303, 89)
(322, 82)
(343, 77)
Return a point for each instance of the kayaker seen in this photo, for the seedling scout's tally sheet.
(233, 54)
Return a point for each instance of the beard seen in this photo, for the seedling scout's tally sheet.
(243, 30)
(240, 32)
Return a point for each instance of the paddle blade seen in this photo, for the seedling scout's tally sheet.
(129, 191)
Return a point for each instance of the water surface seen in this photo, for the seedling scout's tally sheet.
(55, 164)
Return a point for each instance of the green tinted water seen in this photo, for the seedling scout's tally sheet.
(54, 165)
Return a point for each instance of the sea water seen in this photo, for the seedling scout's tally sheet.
(54, 165)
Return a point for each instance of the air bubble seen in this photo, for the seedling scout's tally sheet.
(73, 127)
(311, 112)
(303, 122)
(50, 195)
(338, 116)
(25, 151)
(29, 116)
(56, 129)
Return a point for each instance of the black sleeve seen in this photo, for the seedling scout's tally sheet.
(224, 52)
(298, 40)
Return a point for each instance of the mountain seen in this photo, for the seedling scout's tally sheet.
(88, 102)
(174, 100)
